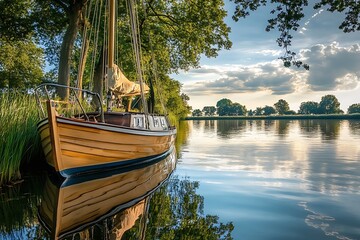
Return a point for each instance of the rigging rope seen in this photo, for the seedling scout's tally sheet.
(84, 37)
(137, 49)
(96, 20)
(154, 65)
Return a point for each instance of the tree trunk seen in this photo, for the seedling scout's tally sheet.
(67, 48)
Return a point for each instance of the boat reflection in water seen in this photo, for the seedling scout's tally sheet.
(113, 201)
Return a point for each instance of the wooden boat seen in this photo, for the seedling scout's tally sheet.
(91, 141)
(68, 208)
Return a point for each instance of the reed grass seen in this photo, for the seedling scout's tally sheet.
(18, 133)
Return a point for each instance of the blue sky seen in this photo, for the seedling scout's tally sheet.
(251, 74)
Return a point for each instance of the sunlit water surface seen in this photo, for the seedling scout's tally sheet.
(277, 179)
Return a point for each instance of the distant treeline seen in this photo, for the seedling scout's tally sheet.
(329, 104)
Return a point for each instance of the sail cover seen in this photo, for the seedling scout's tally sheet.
(121, 86)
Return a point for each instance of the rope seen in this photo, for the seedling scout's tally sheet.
(137, 49)
(83, 44)
(96, 20)
(106, 40)
(154, 65)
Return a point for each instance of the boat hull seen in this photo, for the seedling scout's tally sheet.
(83, 201)
(72, 146)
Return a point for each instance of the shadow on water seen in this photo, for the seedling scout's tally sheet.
(142, 203)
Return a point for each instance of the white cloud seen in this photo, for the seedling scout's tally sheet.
(270, 52)
(332, 68)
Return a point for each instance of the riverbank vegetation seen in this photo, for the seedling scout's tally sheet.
(280, 117)
(18, 135)
(329, 106)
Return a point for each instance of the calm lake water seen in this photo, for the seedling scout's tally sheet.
(234, 179)
(278, 179)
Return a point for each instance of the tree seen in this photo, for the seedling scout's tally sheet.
(223, 106)
(237, 109)
(174, 102)
(73, 10)
(329, 104)
(309, 107)
(47, 19)
(259, 111)
(209, 110)
(268, 110)
(282, 107)
(176, 33)
(21, 64)
(180, 32)
(197, 113)
(15, 20)
(354, 108)
(288, 14)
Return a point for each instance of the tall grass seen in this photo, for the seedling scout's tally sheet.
(18, 134)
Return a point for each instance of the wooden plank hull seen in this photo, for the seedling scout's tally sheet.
(80, 202)
(72, 146)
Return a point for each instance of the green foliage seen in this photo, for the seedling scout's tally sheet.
(282, 107)
(21, 64)
(18, 133)
(167, 91)
(259, 111)
(15, 23)
(290, 112)
(289, 14)
(176, 33)
(237, 109)
(225, 107)
(354, 108)
(181, 31)
(329, 104)
(268, 110)
(209, 110)
(223, 102)
(352, 11)
(309, 107)
(197, 113)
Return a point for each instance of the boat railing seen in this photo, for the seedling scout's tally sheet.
(84, 100)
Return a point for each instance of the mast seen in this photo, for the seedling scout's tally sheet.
(111, 33)
(110, 53)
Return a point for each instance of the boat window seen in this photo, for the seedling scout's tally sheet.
(156, 122)
(139, 122)
(163, 123)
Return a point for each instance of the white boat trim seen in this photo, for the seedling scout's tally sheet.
(112, 128)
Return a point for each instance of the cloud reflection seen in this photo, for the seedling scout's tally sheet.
(321, 221)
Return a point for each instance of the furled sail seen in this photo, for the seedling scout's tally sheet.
(121, 86)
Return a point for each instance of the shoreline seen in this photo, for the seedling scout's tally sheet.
(280, 117)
